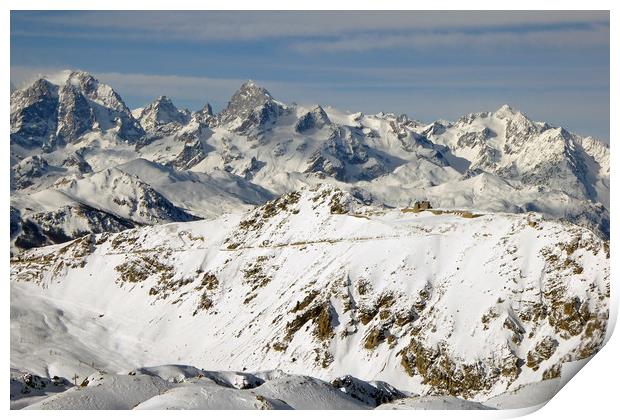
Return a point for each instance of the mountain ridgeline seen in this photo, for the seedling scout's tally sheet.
(69, 130)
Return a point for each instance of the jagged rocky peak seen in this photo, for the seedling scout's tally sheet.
(436, 128)
(61, 108)
(313, 119)
(34, 111)
(96, 91)
(466, 120)
(89, 105)
(205, 116)
(251, 100)
(207, 109)
(518, 129)
(165, 111)
(35, 92)
(115, 115)
(251, 91)
(162, 116)
(515, 116)
(505, 112)
(404, 120)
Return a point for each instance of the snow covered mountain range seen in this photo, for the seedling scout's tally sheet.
(72, 137)
(177, 259)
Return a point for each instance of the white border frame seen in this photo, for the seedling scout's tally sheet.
(590, 394)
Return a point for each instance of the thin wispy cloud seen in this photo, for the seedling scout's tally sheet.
(195, 88)
(244, 26)
(426, 64)
(595, 35)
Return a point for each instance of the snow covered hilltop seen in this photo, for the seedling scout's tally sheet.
(462, 304)
(176, 259)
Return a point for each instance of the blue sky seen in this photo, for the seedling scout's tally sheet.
(554, 66)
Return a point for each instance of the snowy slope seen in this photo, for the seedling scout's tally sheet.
(27, 389)
(316, 283)
(205, 195)
(108, 201)
(433, 403)
(134, 193)
(148, 389)
(174, 387)
(123, 194)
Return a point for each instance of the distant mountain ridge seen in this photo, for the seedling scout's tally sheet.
(72, 126)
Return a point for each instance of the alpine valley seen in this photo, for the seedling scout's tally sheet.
(278, 256)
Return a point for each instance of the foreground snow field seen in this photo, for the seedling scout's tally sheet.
(437, 308)
(178, 387)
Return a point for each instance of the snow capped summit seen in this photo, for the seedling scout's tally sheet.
(248, 97)
(314, 118)
(34, 112)
(509, 144)
(251, 105)
(205, 116)
(95, 91)
(162, 117)
(45, 114)
(109, 110)
(506, 111)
